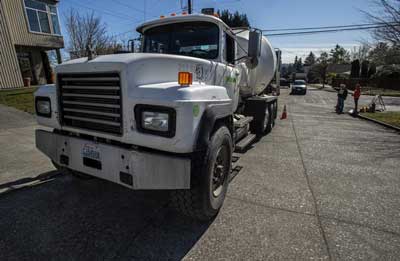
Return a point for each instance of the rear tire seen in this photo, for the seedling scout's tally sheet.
(268, 119)
(209, 179)
(261, 114)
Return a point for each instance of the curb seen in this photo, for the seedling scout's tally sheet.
(379, 122)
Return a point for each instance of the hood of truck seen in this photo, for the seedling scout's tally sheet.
(142, 68)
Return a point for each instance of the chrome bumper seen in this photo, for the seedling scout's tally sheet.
(130, 168)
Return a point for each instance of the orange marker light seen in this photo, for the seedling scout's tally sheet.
(162, 16)
(184, 13)
(173, 14)
(185, 78)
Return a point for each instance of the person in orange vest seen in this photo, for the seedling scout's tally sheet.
(356, 95)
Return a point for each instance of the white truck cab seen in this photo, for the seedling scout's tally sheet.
(169, 117)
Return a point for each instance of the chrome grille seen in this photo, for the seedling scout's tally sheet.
(91, 101)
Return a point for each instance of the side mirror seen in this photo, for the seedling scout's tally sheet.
(254, 48)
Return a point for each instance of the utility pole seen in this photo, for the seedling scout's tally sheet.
(144, 10)
(190, 6)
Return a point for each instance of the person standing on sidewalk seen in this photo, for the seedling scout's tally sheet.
(342, 96)
(356, 96)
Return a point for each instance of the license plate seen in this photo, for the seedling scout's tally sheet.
(91, 151)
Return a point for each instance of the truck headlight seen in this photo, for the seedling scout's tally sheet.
(43, 106)
(157, 120)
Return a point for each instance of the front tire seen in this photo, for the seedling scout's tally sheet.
(209, 179)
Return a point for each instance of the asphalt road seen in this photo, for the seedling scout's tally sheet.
(320, 186)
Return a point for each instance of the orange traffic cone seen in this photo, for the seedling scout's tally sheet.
(284, 113)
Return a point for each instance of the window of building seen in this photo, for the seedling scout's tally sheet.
(42, 17)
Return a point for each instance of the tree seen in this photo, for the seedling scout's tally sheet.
(234, 19)
(355, 69)
(299, 66)
(384, 54)
(310, 60)
(88, 31)
(361, 52)
(387, 12)
(320, 69)
(371, 70)
(364, 69)
(290, 70)
(284, 71)
(323, 58)
(339, 55)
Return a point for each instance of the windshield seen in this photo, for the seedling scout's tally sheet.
(197, 39)
(299, 82)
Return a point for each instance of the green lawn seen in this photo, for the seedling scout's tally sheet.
(392, 118)
(22, 99)
(382, 92)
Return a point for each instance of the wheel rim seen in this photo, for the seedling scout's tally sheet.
(220, 171)
(266, 119)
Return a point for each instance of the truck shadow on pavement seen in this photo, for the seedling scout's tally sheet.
(66, 218)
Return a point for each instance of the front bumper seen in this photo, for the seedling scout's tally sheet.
(298, 90)
(131, 168)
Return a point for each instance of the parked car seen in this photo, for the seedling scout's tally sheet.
(299, 86)
(284, 83)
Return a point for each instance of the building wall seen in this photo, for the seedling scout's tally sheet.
(10, 74)
(19, 29)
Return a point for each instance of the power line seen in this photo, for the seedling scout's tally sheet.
(129, 6)
(324, 27)
(121, 16)
(328, 31)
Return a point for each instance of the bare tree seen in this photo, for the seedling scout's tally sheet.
(360, 52)
(388, 14)
(88, 31)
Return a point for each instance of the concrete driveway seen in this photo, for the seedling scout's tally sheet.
(18, 155)
(320, 186)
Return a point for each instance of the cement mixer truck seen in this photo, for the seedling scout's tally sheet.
(167, 118)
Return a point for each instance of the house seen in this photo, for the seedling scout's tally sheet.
(28, 28)
(338, 68)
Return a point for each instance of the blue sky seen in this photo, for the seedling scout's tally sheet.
(122, 17)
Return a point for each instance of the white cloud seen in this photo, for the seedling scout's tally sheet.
(289, 53)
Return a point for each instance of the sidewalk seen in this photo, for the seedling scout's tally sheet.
(19, 157)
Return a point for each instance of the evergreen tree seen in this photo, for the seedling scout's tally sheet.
(339, 55)
(310, 60)
(364, 69)
(299, 66)
(372, 70)
(355, 69)
(234, 19)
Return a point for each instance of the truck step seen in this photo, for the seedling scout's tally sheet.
(235, 171)
(235, 158)
(243, 122)
(240, 133)
(244, 143)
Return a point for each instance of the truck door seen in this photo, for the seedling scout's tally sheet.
(231, 77)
